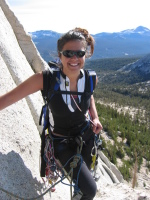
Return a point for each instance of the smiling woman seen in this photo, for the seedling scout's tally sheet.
(72, 57)
(76, 122)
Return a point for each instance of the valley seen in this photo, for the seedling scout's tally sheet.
(124, 110)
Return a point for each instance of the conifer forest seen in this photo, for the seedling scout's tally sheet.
(123, 104)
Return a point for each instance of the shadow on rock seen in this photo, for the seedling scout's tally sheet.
(17, 178)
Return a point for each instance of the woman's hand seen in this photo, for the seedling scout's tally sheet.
(97, 127)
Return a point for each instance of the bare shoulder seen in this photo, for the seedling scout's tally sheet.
(35, 81)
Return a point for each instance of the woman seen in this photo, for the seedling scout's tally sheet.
(68, 110)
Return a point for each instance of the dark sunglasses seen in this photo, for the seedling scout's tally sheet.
(70, 53)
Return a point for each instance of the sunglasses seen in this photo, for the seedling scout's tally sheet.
(70, 53)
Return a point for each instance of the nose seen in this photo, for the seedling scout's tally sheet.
(74, 57)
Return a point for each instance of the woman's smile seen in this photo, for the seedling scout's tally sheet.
(73, 63)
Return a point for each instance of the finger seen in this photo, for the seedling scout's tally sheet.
(94, 129)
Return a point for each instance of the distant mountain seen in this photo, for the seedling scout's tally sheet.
(131, 42)
(127, 43)
(46, 43)
(130, 70)
(142, 65)
(45, 34)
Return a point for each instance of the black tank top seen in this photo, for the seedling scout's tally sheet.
(66, 121)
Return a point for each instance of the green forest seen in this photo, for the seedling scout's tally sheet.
(123, 90)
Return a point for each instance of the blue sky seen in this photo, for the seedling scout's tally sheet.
(95, 15)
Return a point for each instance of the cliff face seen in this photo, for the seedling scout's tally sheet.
(19, 130)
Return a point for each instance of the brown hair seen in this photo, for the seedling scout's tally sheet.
(77, 34)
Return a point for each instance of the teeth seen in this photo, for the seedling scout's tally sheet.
(74, 64)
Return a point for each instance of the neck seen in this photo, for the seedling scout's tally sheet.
(74, 76)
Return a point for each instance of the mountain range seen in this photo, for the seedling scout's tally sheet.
(143, 65)
(127, 43)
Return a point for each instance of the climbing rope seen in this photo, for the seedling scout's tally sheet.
(51, 177)
(73, 165)
(34, 198)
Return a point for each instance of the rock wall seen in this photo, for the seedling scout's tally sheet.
(19, 129)
(24, 40)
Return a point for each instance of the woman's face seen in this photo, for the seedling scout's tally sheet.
(75, 63)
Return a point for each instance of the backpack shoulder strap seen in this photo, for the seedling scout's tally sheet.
(90, 83)
(53, 84)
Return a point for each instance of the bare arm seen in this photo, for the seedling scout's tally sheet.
(98, 127)
(31, 85)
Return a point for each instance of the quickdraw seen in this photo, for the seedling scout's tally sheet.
(94, 154)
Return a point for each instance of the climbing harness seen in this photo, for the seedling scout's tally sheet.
(55, 170)
(53, 167)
